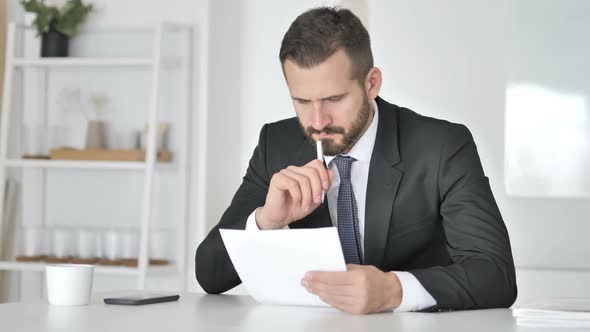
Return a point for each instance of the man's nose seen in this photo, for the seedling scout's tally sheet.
(320, 116)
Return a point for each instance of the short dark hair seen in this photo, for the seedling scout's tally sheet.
(319, 32)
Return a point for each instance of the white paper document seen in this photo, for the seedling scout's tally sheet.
(566, 308)
(272, 263)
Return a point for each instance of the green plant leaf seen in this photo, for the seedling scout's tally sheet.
(71, 17)
(66, 19)
(33, 6)
(43, 17)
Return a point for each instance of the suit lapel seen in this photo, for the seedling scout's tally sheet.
(383, 183)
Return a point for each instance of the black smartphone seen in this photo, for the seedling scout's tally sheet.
(140, 299)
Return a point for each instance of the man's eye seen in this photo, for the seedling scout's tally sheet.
(335, 99)
(303, 102)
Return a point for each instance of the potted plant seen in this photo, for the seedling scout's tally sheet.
(56, 22)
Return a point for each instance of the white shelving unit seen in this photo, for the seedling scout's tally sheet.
(154, 64)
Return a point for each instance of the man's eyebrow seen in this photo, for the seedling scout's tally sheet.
(300, 99)
(335, 96)
(322, 99)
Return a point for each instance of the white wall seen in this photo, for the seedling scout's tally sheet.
(452, 60)
(14, 11)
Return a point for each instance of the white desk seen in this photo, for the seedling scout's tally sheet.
(196, 312)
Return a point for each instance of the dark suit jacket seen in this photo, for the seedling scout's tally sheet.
(429, 210)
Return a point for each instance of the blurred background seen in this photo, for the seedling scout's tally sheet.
(515, 72)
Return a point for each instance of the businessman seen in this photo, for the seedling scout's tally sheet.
(418, 223)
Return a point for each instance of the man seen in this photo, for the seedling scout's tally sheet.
(418, 223)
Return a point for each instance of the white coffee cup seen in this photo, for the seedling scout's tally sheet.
(69, 284)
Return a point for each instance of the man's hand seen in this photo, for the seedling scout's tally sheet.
(361, 289)
(294, 192)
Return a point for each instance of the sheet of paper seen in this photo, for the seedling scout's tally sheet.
(271, 264)
(555, 309)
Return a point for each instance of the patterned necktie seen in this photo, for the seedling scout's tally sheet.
(348, 221)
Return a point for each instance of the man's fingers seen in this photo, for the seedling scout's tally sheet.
(284, 182)
(336, 296)
(304, 185)
(343, 303)
(322, 172)
(329, 277)
(314, 178)
(319, 288)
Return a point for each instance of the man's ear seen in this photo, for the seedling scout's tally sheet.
(373, 83)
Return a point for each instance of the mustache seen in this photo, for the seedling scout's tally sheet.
(328, 130)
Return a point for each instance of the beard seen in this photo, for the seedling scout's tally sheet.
(349, 137)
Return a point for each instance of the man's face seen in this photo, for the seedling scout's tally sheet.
(331, 106)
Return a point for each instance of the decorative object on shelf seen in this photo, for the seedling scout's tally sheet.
(160, 244)
(111, 246)
(56, 22)
(34, 142)
(161, 136)
(54, 43)
(33, 244)
(87, 247)
(122, 138)
(82, 113)
(95, 134)
(95, 138)
(73, 117)
(62, 249)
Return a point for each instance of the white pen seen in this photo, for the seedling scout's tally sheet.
(320, 158)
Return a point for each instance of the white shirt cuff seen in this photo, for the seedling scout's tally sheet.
(251, 224)
(414, 296)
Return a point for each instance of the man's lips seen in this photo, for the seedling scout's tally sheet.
(321, 136)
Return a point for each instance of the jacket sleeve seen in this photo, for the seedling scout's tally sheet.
(482, 273)
(213, 267)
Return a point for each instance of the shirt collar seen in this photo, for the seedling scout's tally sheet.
(363, 148)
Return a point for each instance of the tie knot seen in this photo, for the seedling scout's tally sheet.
(343, 163)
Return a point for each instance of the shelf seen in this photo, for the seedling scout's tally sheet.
(112, 155)
(78, 62)
(99, 269)
(106, 165)
(121, 28)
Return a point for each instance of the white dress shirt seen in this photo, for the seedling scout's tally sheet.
(414, 297)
